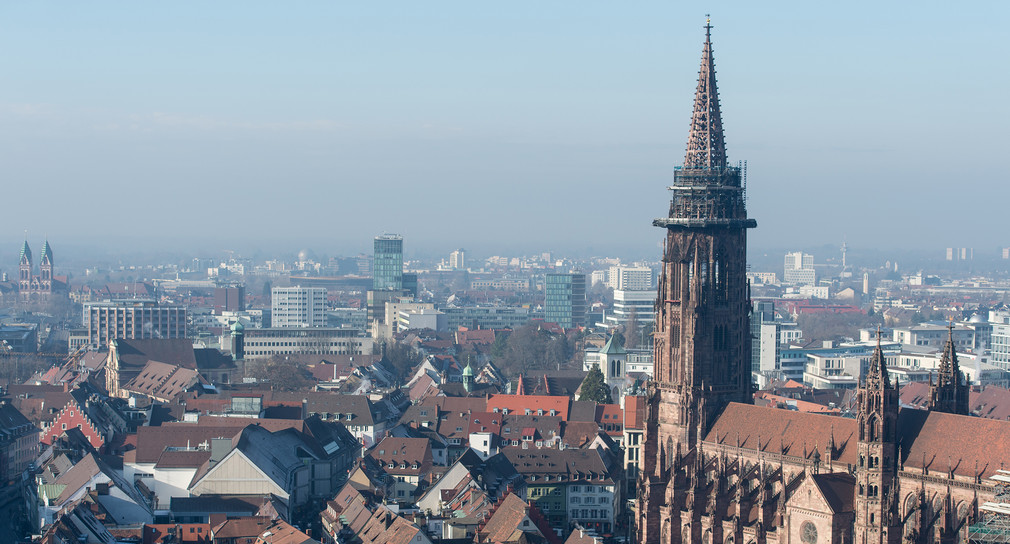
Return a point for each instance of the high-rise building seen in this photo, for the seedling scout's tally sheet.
(799, 269)
(457, 260)
(630, 278)
(387, 264)
(229, 299)
(565, 299)
(297, 307)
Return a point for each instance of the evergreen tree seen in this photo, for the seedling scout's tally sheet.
(595, 388)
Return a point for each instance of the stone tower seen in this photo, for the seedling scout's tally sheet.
(702, 336)
(950, 392)
(878, 520)
(25, 271)
(46, 269)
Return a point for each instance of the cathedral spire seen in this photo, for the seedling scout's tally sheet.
(877, 373)
(706, 147)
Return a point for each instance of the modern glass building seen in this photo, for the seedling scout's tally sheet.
(387, 268)
(565, 300)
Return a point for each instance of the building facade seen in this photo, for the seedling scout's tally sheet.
(133, 319)
(387, 264)
(799, 269)
(565, 299)
(307, 341)
(298, 307)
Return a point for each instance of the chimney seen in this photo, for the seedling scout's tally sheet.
(305, 408)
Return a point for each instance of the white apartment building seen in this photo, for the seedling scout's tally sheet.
(799, 269)
(630, 278)
(297, 307)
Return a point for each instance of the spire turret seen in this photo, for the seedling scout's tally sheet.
(47, 253)
(876, 375)
(26, 253)
(706, 147)
(950, 392)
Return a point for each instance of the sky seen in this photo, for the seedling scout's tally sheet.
(503, 127)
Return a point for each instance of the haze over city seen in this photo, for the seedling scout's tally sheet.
(521, 127)
(347, 273)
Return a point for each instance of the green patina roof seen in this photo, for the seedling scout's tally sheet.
(613, 348)
(25, 250)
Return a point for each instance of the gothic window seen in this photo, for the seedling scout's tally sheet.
(808, 533)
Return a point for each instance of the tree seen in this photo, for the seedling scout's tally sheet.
(631, 330)
(283, 374)
(594, 387)
(403, 358)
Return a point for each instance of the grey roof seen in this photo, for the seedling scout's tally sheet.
(277, 454)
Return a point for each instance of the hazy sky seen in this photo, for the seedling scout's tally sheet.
(540, 125)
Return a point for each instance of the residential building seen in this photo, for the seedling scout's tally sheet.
(571, 485)
(565, 300)
(297, 307)
(799, 269)
(630, 278)
(133, 319)
(19, 442)
(406, 461)
(457, 260)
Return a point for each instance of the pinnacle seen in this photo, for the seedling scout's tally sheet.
(706, 147)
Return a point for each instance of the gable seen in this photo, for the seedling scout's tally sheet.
(237, 475)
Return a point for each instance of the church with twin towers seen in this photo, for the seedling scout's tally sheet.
(717, 469)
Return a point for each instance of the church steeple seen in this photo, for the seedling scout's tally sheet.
(876, 508)
(950, 392)
(706, 147)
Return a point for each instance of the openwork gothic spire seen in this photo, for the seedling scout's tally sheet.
(877, 373)
(706, 147)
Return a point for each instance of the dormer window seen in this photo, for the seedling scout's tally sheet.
(554, 412)
(529, 412)
(540, 412)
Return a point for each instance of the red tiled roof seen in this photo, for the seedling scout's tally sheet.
(949, 442)
(796, 434)
(519, 404)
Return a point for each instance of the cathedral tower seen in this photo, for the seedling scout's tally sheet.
(702, 336)
(878, 520)
(950, 392)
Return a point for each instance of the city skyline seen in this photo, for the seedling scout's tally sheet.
(496, 116)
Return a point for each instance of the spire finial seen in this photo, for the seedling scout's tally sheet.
(706, 147)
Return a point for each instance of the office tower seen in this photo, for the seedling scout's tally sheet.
(565, 299)
(387, 264)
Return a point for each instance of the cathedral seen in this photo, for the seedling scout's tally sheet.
(717, 469)
(32, 286)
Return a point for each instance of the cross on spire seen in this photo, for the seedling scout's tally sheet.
(706, 147)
